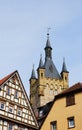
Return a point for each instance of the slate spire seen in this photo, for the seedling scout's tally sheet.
(50, 69)
(33, 76)
(41, 62)
(64, 68)
(48, 49)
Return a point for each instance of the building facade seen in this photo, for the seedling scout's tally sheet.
(15, 109)
(65, 111)
(48, 82)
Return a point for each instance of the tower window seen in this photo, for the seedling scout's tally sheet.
(51, 92)
(41, 75)
(51, 68)
(55, 92)
(40, 113)
(65, 78)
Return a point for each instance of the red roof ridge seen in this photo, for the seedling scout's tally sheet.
(73, 88)
(7, 77)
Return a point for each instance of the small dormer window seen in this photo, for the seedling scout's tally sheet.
(51, 68)
(40, 113)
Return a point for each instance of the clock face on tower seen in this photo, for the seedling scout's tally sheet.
(51, 68)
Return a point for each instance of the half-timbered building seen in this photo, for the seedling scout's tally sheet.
(15, 110)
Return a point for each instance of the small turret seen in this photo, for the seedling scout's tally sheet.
(40, 69)
(64, 68)
(33, 77)
(64, 74)
(40, 62)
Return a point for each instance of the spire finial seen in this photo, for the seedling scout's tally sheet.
(63, 59)
(33, 66)
(48, 29)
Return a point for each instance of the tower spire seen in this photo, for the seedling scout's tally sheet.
(64, 68)
(48, 48)
(33, 76)
(40, 62)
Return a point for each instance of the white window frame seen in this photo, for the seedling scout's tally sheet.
(10, 109)
(16, 94)
(10, 127)
(2, 105)
(53, 125)
(19, 112)
(8, 91)
(71, 122)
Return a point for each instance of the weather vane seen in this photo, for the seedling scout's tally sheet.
(48, 29)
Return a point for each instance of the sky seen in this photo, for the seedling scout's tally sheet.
(23, 35)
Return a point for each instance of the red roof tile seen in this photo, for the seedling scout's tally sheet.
(75, 88)
(6, 78)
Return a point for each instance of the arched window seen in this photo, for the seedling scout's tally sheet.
(51, 91)
(55, 92)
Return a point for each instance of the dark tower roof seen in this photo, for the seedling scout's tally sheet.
(48, 42)
(48, 49)
(33, 76)
(41, 62)
(64, 68)
(50, 69)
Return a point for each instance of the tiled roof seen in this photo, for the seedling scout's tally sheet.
(73, 89)
(6, 78)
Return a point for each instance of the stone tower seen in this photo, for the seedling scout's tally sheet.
(48, 82)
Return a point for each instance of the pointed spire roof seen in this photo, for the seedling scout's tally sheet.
(48, 42)
(50, 69)
(64, 68)
(41, 62)
(33, 76)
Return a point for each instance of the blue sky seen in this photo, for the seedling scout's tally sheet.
(23, 29)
